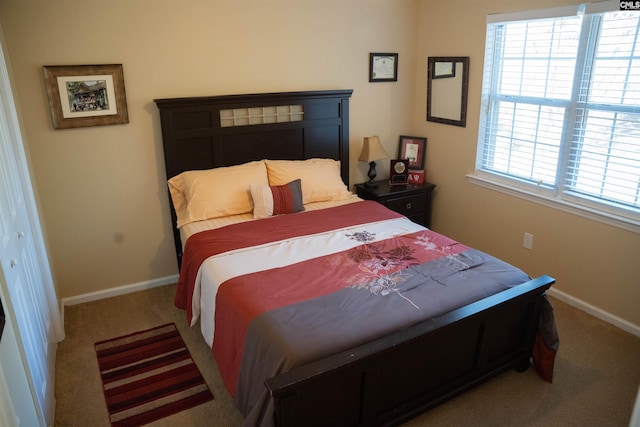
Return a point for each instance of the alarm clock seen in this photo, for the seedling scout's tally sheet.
(399, 172)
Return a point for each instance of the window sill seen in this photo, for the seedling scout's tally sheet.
(583, 211)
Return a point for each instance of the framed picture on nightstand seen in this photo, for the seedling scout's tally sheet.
(414, 149)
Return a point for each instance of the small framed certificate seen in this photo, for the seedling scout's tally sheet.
(442, 70)
(383, 67)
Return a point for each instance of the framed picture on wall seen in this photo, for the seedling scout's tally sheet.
(414, 149)
(383, 67)
(86, 95)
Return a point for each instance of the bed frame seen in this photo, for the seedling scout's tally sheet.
(394, 378)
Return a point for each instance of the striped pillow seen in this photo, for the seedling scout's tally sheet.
(276, 199)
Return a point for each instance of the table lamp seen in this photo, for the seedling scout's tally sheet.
(371, 151)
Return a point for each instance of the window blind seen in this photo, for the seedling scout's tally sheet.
(532, 65)
(604, 158)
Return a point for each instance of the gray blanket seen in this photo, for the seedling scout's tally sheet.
(290, 336)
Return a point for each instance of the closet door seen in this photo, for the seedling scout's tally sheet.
(24, 269)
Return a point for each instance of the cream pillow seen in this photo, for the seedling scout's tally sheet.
(214, 193)
(321, 179)
(176, 189)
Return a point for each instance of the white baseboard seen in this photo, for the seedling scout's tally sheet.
(163, 281)
(120, 290)
(595, 311)
(113, 292)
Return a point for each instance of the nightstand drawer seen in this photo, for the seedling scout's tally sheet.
(409, 205)
(413, 200)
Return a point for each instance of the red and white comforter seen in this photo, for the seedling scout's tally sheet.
(276, 293)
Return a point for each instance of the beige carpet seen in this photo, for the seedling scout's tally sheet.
(596, 379)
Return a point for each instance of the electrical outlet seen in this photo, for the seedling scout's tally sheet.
(528, 241)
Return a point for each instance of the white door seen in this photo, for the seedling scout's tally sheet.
(24, 268)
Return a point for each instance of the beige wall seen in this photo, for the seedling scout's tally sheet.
(102, 190)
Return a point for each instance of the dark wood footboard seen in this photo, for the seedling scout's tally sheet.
(395, 378)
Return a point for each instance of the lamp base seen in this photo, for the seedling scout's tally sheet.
(372, 175)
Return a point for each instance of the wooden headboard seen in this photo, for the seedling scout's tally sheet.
(216, 131)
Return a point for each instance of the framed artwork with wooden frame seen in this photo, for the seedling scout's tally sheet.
(414, 149)
(86, 95)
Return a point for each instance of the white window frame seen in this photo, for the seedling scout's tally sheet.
(552, 194)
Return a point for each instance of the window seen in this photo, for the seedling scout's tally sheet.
(560, 115)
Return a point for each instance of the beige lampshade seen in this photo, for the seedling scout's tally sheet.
(372, 150)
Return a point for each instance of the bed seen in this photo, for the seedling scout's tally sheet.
(321, 308)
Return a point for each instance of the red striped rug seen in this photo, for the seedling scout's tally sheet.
(149, 375)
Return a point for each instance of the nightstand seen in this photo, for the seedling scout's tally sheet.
(412, 200)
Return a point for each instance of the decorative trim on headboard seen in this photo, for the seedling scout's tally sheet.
(261, 115)
(194, 138)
